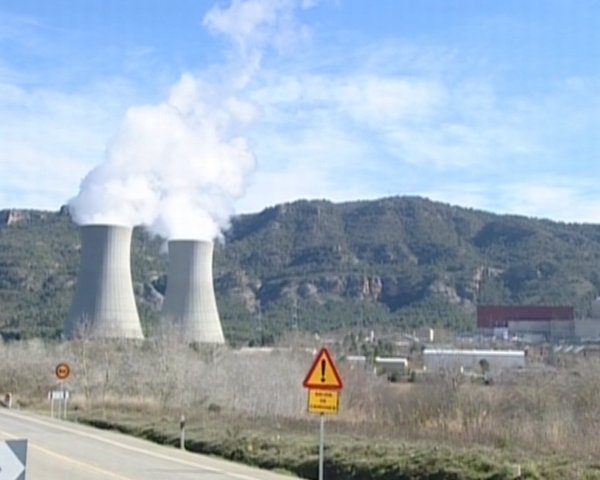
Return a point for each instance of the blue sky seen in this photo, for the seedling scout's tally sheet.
(493, 105)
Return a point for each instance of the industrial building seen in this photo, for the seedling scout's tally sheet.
(534, 323)
(538, 323)
(588, 329)
(435, 360)
(190, 305)
(392, 365)
(104, 303)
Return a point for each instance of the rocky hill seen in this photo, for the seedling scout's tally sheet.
(315, 265)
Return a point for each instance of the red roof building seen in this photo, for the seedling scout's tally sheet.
(494, 316)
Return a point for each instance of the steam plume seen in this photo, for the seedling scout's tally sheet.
(177, 167)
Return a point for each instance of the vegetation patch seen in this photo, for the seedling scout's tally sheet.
(346, 456)
(250, 407)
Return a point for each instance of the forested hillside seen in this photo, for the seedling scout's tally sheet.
(316, 266)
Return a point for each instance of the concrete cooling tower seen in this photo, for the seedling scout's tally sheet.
(104, 304)
(190, 303)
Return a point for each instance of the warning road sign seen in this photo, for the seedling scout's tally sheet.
(13, 457)
(323, 401)
(62, 371)
(323, 374)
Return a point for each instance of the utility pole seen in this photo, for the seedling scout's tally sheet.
(260, 325)
(295, 314)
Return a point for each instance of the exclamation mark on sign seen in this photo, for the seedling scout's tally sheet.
(323, 364)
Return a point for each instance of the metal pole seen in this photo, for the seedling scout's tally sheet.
(321, 446)
(182, 432)
(63, 402)
(66, 393)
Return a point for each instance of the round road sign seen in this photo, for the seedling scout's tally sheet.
(62, 371)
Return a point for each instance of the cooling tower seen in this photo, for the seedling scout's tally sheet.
(104, 305)
(190, 304)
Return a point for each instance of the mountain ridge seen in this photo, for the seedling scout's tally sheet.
(315, 265)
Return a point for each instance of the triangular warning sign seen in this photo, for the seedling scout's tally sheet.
(323, 374)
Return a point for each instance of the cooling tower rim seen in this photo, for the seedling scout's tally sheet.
(189, 240)
(107, 225)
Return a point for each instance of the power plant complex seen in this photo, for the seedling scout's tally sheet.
(104, 302)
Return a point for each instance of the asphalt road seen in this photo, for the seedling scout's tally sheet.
(59, 450)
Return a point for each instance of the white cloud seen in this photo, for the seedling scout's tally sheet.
(254, 25)
(49, 139)
(337, 121)
(460, 139)
(384, 102)
(567, 199)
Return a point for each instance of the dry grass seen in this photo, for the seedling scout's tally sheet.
(542, 412)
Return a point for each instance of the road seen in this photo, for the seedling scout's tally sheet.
(58, 450)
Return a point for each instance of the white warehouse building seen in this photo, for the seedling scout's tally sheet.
(451, 359)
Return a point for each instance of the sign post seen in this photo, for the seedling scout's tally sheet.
(13, 458)
(62, 397)
(62, 372)
(324, 384)
(321, 445)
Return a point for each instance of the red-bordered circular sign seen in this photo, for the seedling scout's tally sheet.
(62, 371)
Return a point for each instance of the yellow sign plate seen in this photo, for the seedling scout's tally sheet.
(323, 401)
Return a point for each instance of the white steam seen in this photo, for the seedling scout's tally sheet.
(177, 167)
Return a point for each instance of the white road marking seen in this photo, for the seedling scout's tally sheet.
(127, 447)
(87, 466)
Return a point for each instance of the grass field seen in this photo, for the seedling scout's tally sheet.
(252, 408)
(292, 446)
